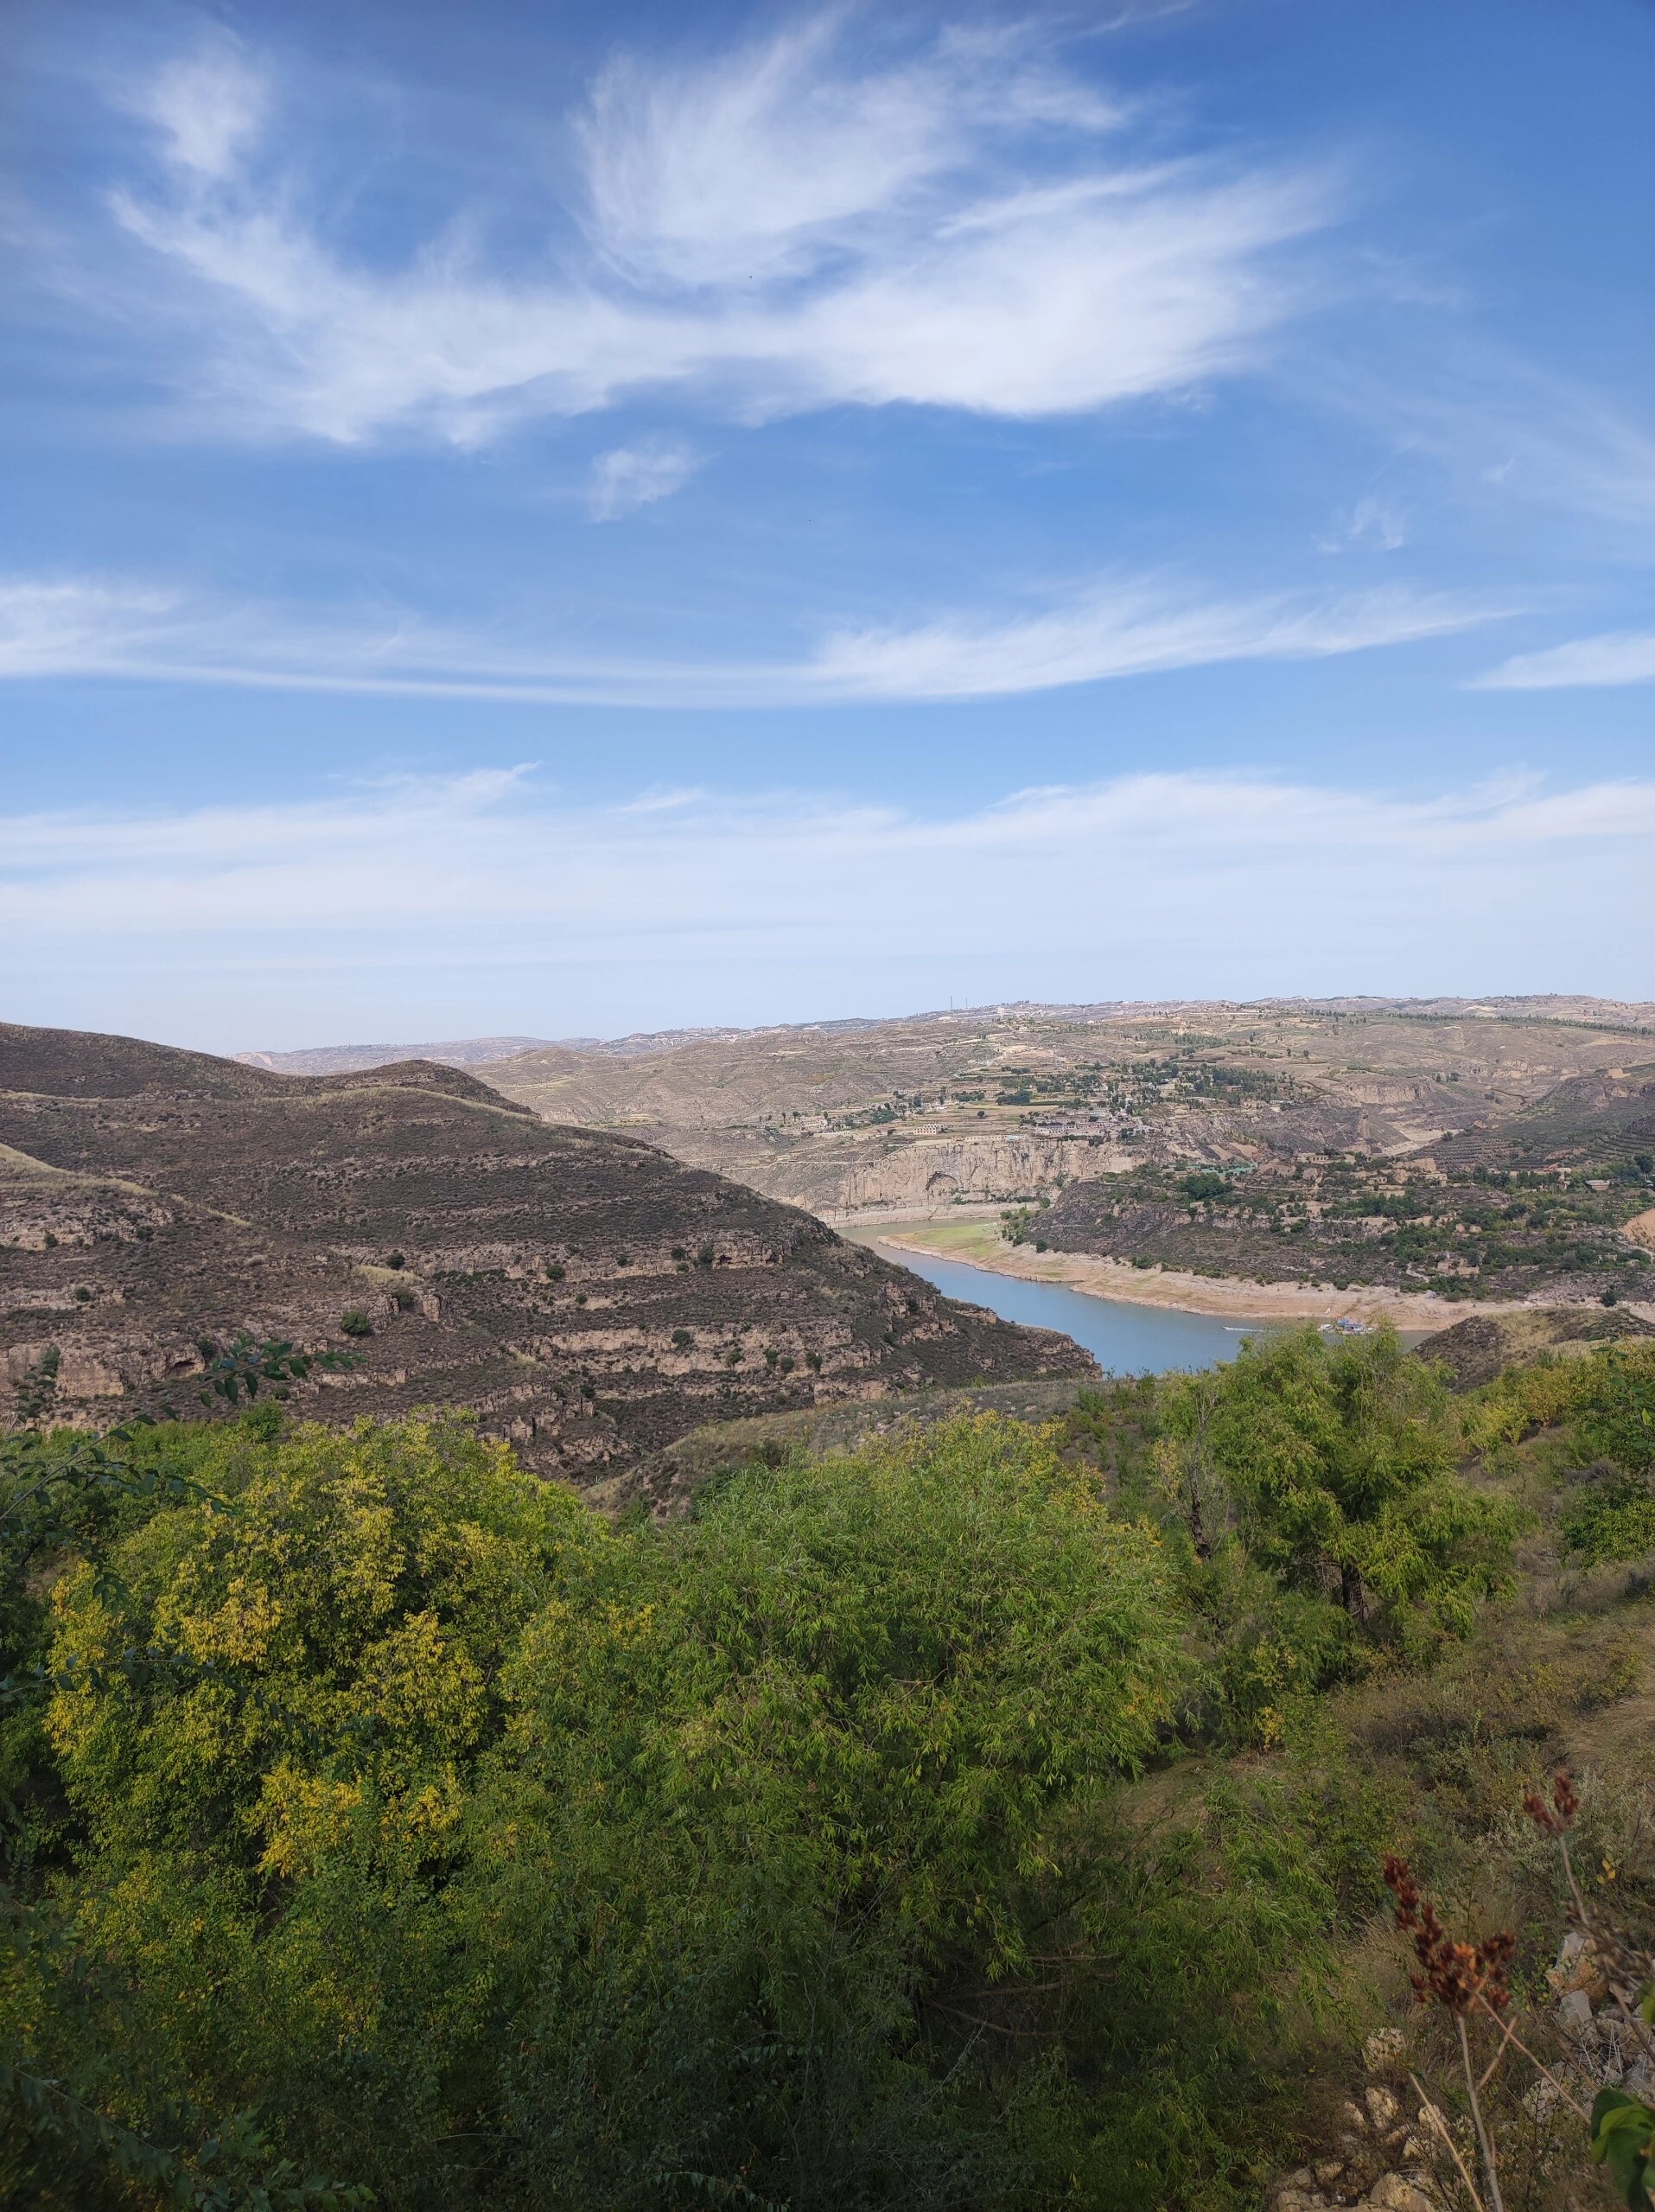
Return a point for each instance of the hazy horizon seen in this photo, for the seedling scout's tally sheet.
(503, 1045)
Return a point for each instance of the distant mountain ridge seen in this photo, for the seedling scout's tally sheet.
(465, 1052)
(354, 1058)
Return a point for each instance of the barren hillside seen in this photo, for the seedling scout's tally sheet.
(1010, 1103)
(587, 1294)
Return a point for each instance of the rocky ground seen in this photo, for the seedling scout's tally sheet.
(588, 1296)
(1390, 2151)
(1383, 2151)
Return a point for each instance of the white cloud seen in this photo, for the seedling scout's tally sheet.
(208, 108)
(1127, 631)
(777, 230)
(767, 160)
(1508, 429)
(1562, 444)
(96, 627)
(751, 166)
(1198, 882)
(1620, 657)
(76, 626)
(662, 802)
(636, 475)
(1372, 521)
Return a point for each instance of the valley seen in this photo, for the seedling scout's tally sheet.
(839, 1585)
(1347, 1144)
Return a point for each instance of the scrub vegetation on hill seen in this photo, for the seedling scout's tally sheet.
(1464, 1231)
(990, 1817)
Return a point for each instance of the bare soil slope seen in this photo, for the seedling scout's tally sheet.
(587, 1294)
(1477, 1350)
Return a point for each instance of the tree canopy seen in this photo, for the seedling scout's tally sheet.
(460, 1833)
(380, 1819)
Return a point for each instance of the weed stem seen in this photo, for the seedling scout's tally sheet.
(1510, 2035)
(1495, 2201)
(1439, 2126)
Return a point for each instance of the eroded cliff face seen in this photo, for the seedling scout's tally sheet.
(841, 1173)
(851, 1172)
(583, 1293)
(935, 1170)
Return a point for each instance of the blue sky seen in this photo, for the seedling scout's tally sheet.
(569, 520)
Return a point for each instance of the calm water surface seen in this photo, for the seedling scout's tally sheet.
(1123, 1338)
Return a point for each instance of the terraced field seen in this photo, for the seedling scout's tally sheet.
(583, 1293)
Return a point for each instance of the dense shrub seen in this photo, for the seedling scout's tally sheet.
(1616, 1408)
(790, 1771)
(1612, 1519)
(1312, 1509)
(386, 1805)
(1608, 1399)
(1339, 1459)
(489, 1852)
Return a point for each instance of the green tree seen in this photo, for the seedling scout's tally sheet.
(1183, 1457)
(1339, 1459)
(497, 1853)
(796, 1774)
(288, 1664)
(1616, 1418)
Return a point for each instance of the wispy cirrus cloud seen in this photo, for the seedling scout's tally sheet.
(1372, 521)
(98, 627)
(208, 108)
(781, 228)
(1128, 630)
(1562, 442)
(82, 625)
(763, 162)
(1618, 657)
(1506, 429)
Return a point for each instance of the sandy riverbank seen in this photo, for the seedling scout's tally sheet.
(979, 1243)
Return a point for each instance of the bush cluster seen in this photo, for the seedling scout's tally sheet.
(379, 1818)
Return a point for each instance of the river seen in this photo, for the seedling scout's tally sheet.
(1123, 1338)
